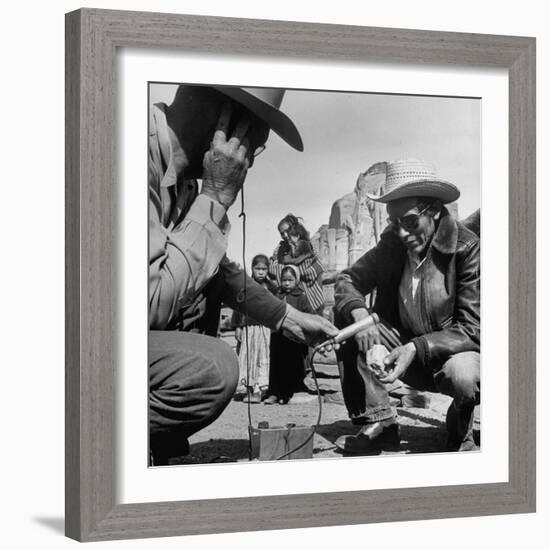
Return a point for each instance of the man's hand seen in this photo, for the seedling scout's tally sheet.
(367, 338)
(238, 334)
(306, 327)
(397, 362)
(226, 163)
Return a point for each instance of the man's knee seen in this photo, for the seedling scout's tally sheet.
(214, 380)
(459, 377)
(193, 361)
(222, 367)
(191, 383)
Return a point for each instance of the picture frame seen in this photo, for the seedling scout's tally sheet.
(92, 39)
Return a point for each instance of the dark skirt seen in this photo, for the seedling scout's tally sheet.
(287, 366)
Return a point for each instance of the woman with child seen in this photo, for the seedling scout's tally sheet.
(271, 364)
(295, 249)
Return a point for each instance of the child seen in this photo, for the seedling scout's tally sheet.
(287, 369)
(253, 342)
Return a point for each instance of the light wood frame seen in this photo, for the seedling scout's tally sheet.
(92, 39)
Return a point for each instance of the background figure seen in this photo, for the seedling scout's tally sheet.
(295, 249)
(287, 357)
(253, 342)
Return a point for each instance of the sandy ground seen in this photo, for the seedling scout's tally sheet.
(226, 440)
(422, 430)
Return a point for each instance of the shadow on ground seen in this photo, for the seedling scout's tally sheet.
(215, 450)
(422, 429)
(334, 430)
(56, 525)
(420, 434)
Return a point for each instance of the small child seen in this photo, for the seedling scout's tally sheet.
(253, 342)
(287, 358)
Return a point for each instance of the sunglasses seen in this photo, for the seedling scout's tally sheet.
(409, 223)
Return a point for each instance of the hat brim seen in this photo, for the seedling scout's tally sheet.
(443, 190)
(273, 117)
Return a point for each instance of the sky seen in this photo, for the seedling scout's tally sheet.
(344, 134)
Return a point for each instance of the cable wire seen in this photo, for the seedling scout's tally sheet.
(320, 402)
(242, 215)
(316, 350)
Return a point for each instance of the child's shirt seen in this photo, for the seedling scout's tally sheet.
(296, 298)
(309, 267)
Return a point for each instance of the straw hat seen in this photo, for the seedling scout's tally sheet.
(414, 178)
(265, 103)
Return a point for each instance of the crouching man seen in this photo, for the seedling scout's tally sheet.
(425, 273)
(213, 134)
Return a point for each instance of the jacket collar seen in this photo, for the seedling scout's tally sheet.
(446, 236)
(444, 240)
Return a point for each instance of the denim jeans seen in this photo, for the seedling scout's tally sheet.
(367, 399)
(192, 378)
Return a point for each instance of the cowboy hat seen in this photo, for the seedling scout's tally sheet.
(414, 178)
(265, 103)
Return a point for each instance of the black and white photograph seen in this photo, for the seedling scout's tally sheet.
(314, 274)
(245, 297)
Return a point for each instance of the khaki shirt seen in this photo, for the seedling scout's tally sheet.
(187, 242)
(187, 232)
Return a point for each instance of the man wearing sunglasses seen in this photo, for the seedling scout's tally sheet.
(424, 273)
(213, 134)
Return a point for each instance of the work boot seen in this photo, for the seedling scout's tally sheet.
(460, 428)
(375, 436)
(165, 446)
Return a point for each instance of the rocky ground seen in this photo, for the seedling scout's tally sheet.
(421, 417)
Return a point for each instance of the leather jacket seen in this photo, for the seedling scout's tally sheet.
(450, 289)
